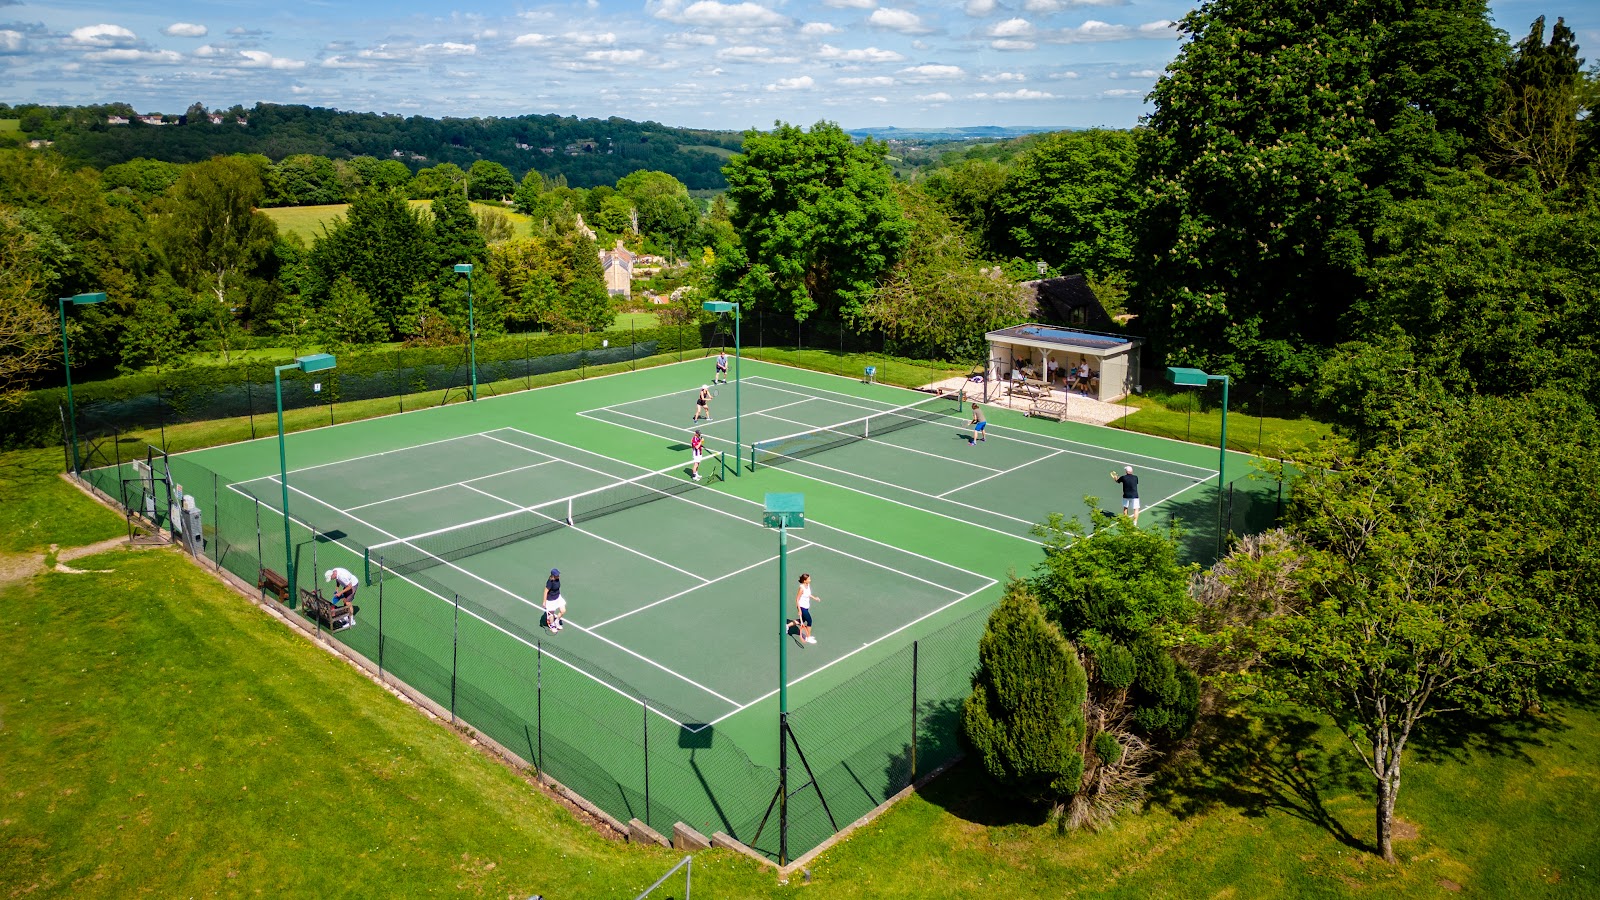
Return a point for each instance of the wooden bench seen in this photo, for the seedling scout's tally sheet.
(273, 583)
(1049, 409)
(334, 614)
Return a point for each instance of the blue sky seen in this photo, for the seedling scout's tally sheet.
(730, 64)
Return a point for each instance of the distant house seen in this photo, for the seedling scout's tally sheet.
(618, 266)
(521, 146)
(116, 120)
(37, 144)
(240, 120)
(214, 119)
(152, 120)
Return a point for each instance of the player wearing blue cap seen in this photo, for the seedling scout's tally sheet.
(555, 606)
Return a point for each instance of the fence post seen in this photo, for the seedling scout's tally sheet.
(1277, 512)
(380, 619)
(455, 642)
(260, 559)
(216, 523)
(914, 669)
(538, 703)
(293, 589)
(250, 401)
(645, 705)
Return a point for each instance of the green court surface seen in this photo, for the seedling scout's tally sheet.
(657, 699)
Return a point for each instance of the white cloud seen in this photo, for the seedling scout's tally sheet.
(1094, 30)
(931, 70)
(125, 55)
(900, 20)
(866, 55)
(1050, 6)
(103, 36)
(715, 14)
(1160, 28)
(12, 41)
(803, 83)
(184, 29)
(873, 81)
(1123, 92)
(615, 57)
(1009, 44)
(1067, 75)
(260, 59)
(1002, 77)
(299, 90)
(851, 4)
(818, 29)
(449, 48)
(1019, 94)
(531, 39)
(585, 38)
(241, 31)
(979, 8)
(1144, 73)
(1011, 28)
(935, 97)
(345, 62)
(691, 39)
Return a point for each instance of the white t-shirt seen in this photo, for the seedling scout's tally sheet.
(344, 578)
(805, 596)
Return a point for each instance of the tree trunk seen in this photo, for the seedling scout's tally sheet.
(1386, 765)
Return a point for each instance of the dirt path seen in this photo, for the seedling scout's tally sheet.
(18, 566)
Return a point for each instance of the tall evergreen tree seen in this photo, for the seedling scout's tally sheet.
(382, 245)
(1537, 127)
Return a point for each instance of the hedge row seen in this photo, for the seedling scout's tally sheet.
(247, 388)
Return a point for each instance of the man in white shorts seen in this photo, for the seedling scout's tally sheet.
(344, 588)
(1130, 492)
(555, 605)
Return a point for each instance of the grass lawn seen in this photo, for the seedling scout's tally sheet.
(10, 125)
(307, 221)
(1265, 436)
(626, 321)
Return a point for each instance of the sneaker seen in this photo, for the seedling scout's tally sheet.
(811, 640)
(697, 478)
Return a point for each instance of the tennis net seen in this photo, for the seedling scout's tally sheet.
(419, 552)
(801, 444)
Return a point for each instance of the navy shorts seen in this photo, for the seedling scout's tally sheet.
(805, 616)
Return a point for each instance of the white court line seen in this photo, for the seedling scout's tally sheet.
(938, 456)
(824, 667)
(1001, 472)
(451, 485)
(901, 487)
(515, 596)
(338, 462)
(771, 559)
(510, 634)
(580, 530)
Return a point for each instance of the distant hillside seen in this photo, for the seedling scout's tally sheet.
(587, 152)
(968, 133)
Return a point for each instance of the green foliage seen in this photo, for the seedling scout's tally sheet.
(817, 221)
(489, 180)
(348, 318)
(1024, 718)
(1536, 129)
(382, 245)
(154, 335)
(304, 180)
(445, 178)
(1122, 596)
(667, 214)
(1070, 202)
(1277, 133)
(145, 179)
(1106, 747)
(456, 238)
(552, 281)
(937, 302)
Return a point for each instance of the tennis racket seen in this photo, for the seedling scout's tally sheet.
(713, 389)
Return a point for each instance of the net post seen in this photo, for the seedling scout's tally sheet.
(260, 558)
(645, 705)
(455, 646)
(914, 669)
(380, 616)
(538, 703)
(216, 523)
(366, 564)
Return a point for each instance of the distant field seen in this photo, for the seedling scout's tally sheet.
(308, 221)
(723, 152)
(10, 124)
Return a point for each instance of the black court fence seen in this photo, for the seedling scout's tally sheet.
(601, 736)
(1191, 410)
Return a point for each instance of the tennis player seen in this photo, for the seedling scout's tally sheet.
(702, 405)
(1130, 492)
(555, 605)
(344, 588)
(722, 368)
(978, 425)
(802, 602)
(697, 446)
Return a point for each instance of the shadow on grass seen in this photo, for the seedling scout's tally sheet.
(1456, 738)
(1268, 762)
(965, 790)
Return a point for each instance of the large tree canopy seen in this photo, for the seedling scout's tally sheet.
(383, 246)
(1069, 202)
(1277, 132)
(817, 220)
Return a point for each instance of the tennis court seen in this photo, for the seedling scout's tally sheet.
(913, 452)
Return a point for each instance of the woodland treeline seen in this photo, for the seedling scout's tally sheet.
(1391, 209)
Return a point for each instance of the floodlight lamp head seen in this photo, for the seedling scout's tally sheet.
(463, 268)
(86, 299)
(717, 306)
(315, 362)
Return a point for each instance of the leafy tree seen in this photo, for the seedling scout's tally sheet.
(1537, 126)
(494, 225)
(348, 318)
(553, 280)
(153, 335)
(1277, 132)
(817, 221)
(455, 231)
(529, 192)
(382, 245)
(1024, 718)
(967, 192)
(1070, 201)
(667, 214)
(304, 180)
(489, 180)
(28, 338)
(381, 175)
(145, 179)
(214, 240)
(937, 301)
(1404, 605)
(445, 178)
(295, 320)
(1122, 596)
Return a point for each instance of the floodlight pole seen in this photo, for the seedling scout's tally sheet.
(66, 362)
(313, 363)
(472, 329)
(722, 306)
(783, 694)
(1196, 378)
